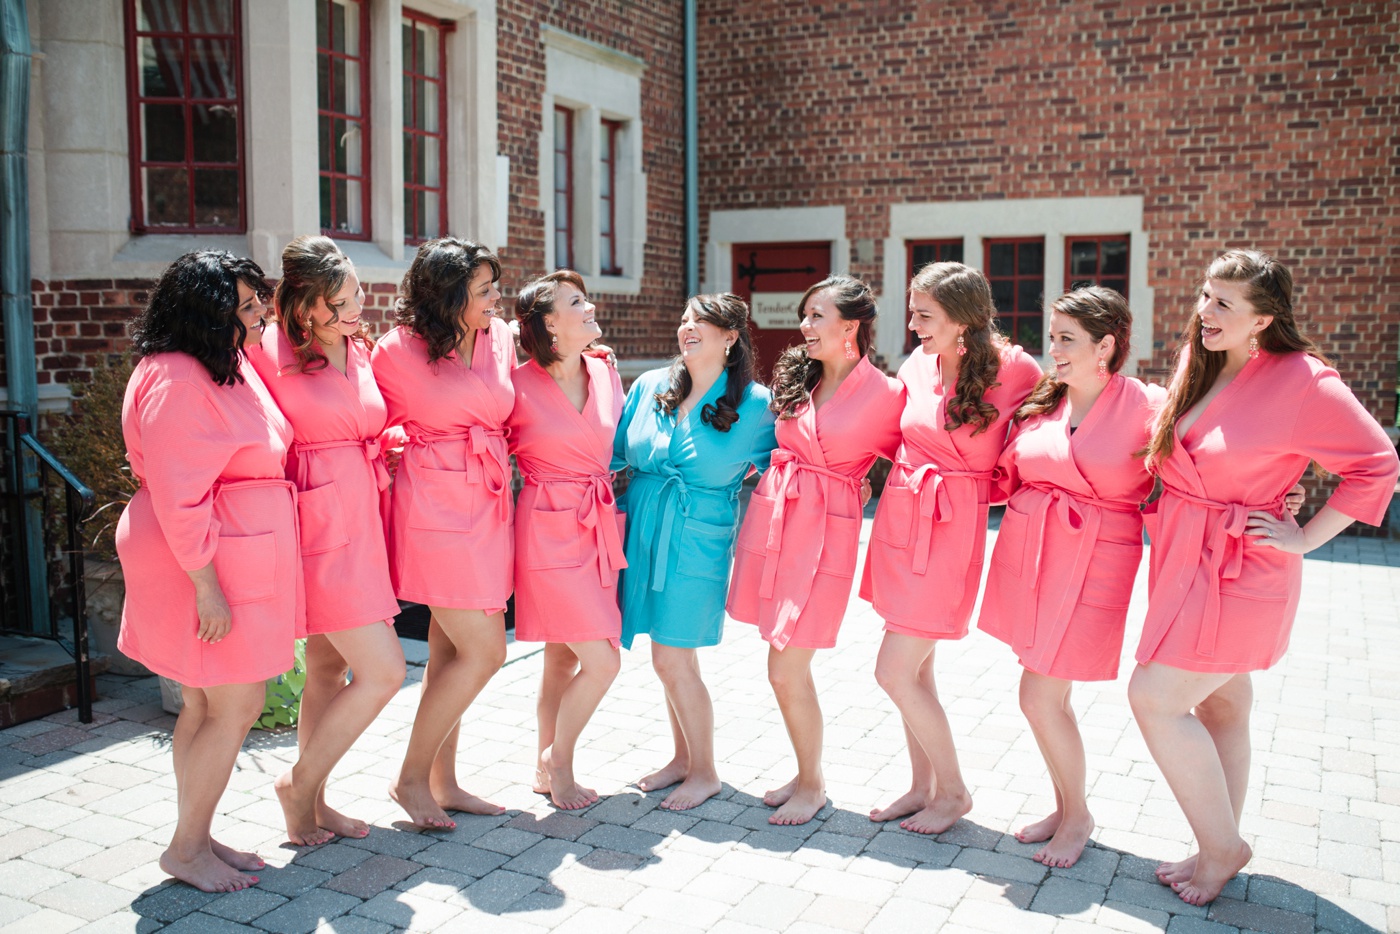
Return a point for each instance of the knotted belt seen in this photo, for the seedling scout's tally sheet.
(370, 446)
(674, 487)
(1226, 557)
(597, 511)
(785, 469)
(485, 463)
(935, 505)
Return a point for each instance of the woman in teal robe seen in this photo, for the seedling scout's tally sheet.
(690, 434)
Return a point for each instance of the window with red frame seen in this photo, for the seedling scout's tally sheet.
(1097, 261)
(563, 188)
(184, 94)
(920, 254)
(1016, 270)
(607, 200)
(342, 90)
(424, 126)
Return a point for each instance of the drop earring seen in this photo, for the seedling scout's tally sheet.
(553, 342)
(962, 347)
(1253, 347)
(850, 351)
(726, 351)
(1103, 371)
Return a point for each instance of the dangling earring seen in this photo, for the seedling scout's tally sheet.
(1253, 347)
(850, 351)
(1103, 371)
(726, 351)
(553, 342)
(962, 347)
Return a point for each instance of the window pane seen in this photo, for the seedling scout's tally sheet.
(950, 253)
(432, 223)
(604, 218)
(409, 164)
(562, 256)
(162, 71)
(561, 209)
(406, 37)
(561, 129)
(159, 16)
(211, 69)
(923, 254)
(1084, 258)
(1028, 294)
(325, 202)
(167, 197)
(164, 126)
(1115, 257)
(605, 257)
(1003, 262)
(338, 17)
(561, 170)
(215, 133)
(1118, 285)
(324, 135)
(1028, 334)
(211, 16)
(1030, 259)
(605, 180)
(1003, 296)
(428, 62)
(323, 28)
(215, 198)
(428, 168)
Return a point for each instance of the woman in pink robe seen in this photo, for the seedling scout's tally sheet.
(925, 558)
(567, 528)
(1250, 404)
(797, 548)
(316, 365)
(445, 375)
(208, 545)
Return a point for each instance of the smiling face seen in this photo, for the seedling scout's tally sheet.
(702, 343)
(251, 311)
(937, 333)
(1228, 320)
(1075, 352)
(824, 330)
(339, 316)
(483, 299)
(573, 322)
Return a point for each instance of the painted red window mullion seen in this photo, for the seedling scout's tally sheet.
(1098, 276)
(335, 110)
(611, 130)
(943, 249)
(565, 225)
(419, 137)
(1012, 320)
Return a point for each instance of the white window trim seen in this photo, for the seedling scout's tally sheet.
(596, 83)
(1052, 218)
(771, 225)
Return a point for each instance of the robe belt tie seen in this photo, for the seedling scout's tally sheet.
(485, 463)
(673, 486)
(597, 511)
(1226, 557)
(935, 505)
(1082, 517)
(371, 447)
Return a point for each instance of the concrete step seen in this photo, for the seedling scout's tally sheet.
(38, 678)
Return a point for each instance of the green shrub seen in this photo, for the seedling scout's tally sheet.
(282, 700)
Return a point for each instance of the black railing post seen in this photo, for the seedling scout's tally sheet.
(76, 512)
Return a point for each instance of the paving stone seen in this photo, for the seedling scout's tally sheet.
(1000, 866)
(1152, 895)
(245, 905)
(1180, 924)
(391, 842)
(509, 841)
(911, 846)
(622, 839)
(373, 876)
(464, 859)
(497, 891)
(172, 902)
(625, 809)
(1340, 919)
(700, 912)
(547, 856)
(19, 842)
(86, 898)
(555, 824)
(772, 907)
(305, 912)
(1276, 893)
(12, 909)
(1068, 898)
(903, 915)
(333, 858)
(20, 878)
(406, 912)
(291, 880)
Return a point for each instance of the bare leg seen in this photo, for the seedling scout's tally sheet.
(465, 648)
(689, 700)
(790, 674)
(899, 669)
(220, 718)
(1046, 704)
(326, 671)
(1225, 715)
(675, 770)
(191, 717)
(920, 791)
(599, 663)
(560, 664)
(1162, 699)
(374, 654)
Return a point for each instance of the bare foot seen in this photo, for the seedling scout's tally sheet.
(779, 796)
(328, 818)
(1211, 875)
(1167, 873)
(693, 792)
(664, 777)
(1041, 830)
(940, 814)
(541, 785)
(238, 859)
(455, 799)
(422, 810)
(299, 811)
(206, 872)
(801, 807)
(911, 801)
(1064, 848)
(565, 792)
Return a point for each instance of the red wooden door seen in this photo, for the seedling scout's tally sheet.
(771, 277)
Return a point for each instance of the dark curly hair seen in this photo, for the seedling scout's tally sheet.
(1100, 312)
(795, 374)
(313, 269)
(534, 302)
(193, 309)
(729, 312)
(966, 297)
(433, 294)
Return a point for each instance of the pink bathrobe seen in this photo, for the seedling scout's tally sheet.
(341, 482)
(210, 461)
(1219, 602)
(568, 531)
(1070, 543)
(926, 547)
(451, 539)
(797, 548)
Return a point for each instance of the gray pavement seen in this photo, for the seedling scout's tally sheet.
(86, 809)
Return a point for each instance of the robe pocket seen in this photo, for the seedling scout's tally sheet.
(442, 500)
(894, 517)
(704, 550)
(839, 547)
(1010, 549)
(552, 539)
(322, 520)
(1108, 583)
(753, 536)
(1265, 573)
(246, 566)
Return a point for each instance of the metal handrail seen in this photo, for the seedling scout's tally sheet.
(78, 503)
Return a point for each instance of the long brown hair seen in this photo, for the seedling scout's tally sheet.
(1269, 289)
(313, 269)
(795, 374)
(433, 294)
(534, 302)
(1100, 312)
(729, 312)
(965, 296)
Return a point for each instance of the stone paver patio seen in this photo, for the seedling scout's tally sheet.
(85, 810)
